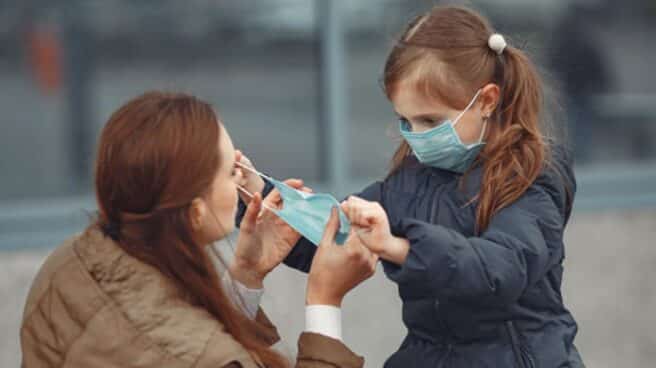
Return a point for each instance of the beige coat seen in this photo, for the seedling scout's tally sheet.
(93, 305)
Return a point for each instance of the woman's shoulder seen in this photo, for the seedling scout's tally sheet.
(56, 263)
(154, 306)
(123, 305)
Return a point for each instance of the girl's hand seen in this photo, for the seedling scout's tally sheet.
(264, 239)
(338, 269)
(251, 181)
(370, 222)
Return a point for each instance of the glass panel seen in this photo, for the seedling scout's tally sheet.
(65, 69)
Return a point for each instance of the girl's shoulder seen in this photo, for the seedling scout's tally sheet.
(558, 179)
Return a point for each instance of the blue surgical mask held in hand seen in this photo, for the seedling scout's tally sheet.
(441, 146)
(307, 213)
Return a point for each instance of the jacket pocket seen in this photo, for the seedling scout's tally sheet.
(523, 356)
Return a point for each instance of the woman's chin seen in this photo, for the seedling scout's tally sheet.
(229, 229)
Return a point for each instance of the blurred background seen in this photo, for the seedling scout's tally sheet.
(297, 83)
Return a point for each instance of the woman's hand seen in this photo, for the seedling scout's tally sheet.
(338, 269)
(370, 222)
(249, 180)
(264, 239)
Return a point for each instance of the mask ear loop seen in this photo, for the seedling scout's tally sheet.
(471, 103)
(250, 195)
(251, 169)
(246, 192)
(484, 130)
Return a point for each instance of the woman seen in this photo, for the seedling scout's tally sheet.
(138, 288)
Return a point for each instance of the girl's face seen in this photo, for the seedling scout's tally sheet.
(424, 114)
(213, 215)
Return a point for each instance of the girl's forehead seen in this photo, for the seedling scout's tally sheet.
(407, 98)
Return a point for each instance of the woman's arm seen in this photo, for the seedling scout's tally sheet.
(320, 345)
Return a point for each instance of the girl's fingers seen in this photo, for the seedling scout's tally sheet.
(358, 200)
(362, 212)
(370, 217)
(364, 216)
(358, 216)
(346, 209)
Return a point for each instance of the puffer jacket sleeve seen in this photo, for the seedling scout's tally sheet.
(314, 350)
(522, 242)
(302, 254)
(319, 351)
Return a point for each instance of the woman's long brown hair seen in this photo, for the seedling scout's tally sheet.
(156, 154)
(445, 55)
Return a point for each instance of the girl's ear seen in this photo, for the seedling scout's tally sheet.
(489, 98)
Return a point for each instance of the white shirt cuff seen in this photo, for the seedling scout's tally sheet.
(248, 300)
(325, 320)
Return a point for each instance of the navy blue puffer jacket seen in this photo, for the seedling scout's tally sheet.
(488, 300)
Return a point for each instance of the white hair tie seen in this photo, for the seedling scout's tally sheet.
(497, 43)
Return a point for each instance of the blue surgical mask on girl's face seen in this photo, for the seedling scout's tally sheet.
(308, 213)
(441, 146)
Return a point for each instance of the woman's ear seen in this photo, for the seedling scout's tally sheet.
(197, 213)
(489, 98)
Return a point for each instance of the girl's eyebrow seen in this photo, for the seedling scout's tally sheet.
(426, 117)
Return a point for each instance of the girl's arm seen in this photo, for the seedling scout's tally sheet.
(522, 243)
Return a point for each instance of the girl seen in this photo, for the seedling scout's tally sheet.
(469, 223)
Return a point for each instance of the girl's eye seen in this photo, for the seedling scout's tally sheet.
(433, 122)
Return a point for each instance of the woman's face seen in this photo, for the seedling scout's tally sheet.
(214, 216)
